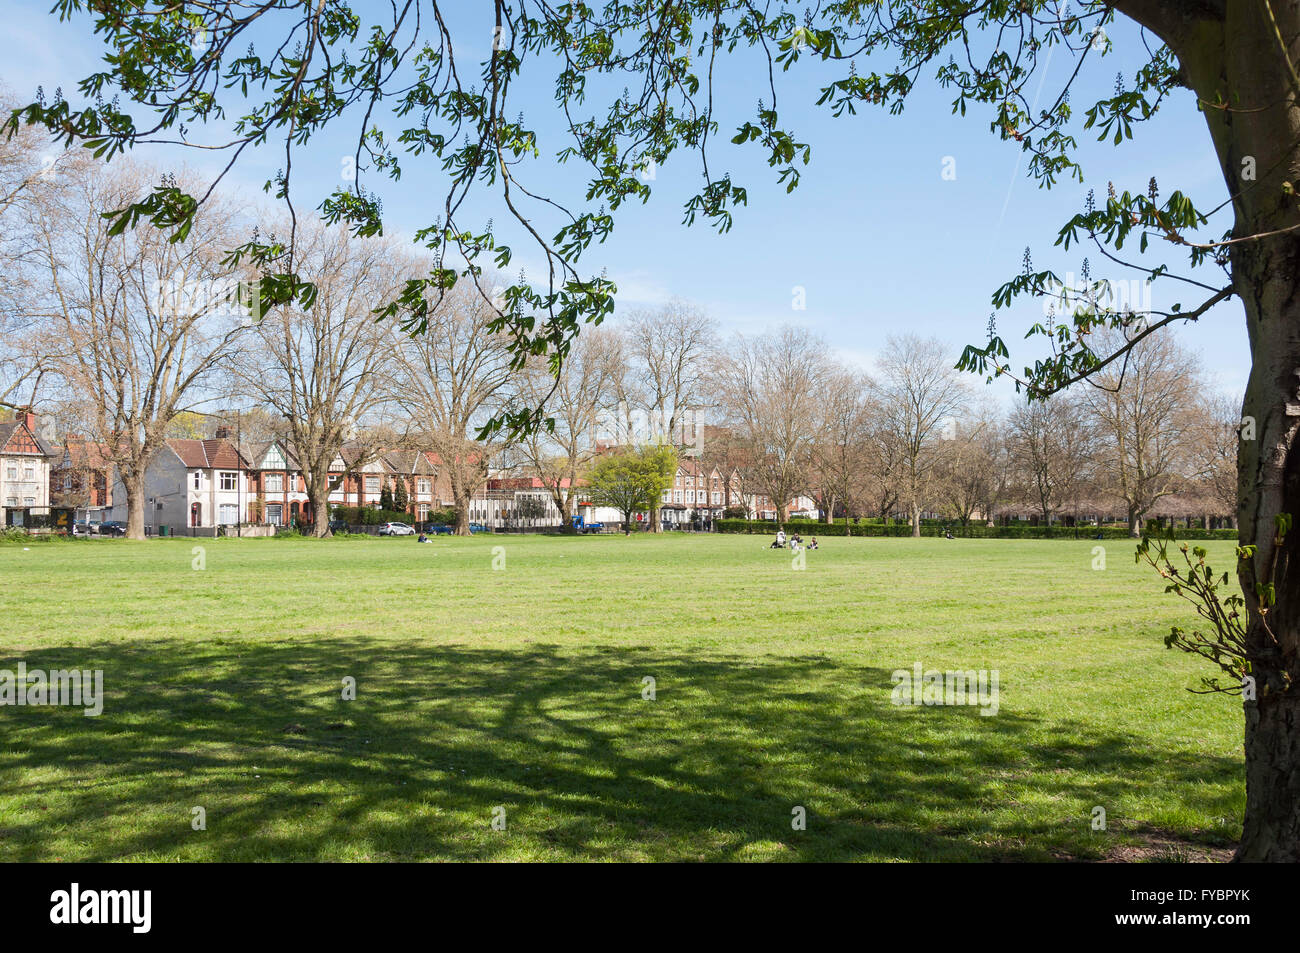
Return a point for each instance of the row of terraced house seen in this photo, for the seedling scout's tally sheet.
(194, 486)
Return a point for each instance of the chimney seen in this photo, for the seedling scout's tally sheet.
(224, 432)
(29, 419)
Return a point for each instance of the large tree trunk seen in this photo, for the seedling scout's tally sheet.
(1267, 276)
(460, 499)
(134, 487)
(318, 491)
(1134, 523)
(916, 520)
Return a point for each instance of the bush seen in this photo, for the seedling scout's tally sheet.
(446, 517)
(368, 516)
(974, 531)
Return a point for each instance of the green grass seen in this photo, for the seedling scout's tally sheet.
(521, 688)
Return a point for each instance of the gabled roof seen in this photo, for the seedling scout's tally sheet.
(208, 454)
(82, 454)
(409, 461)
(435, 458)
(16, 438)
(256, 452)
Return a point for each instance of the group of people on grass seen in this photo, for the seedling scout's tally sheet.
(795, 542)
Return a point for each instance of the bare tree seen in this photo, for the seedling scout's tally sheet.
(882, 460)
(669, 353)
(451, 374)
(840, 455)
(1051, 444)
(770, 387)
(324, 368)
(133, 325)
(575, 402)
(920, 393)
(31, 168)
(1214, 445)
(1140, 408)
(968, 464)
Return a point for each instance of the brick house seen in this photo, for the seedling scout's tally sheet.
(277, 490)
(697, 489)
(367, 476)
(79, 481)
(414, 468)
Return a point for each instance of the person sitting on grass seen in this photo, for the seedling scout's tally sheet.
(813, 544)
(779, 542)
(422, 539)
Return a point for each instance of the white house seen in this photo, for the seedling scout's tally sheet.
(24, 471)
(192, 486)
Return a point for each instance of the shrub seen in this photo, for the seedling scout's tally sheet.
(368, 516)
(973, 531)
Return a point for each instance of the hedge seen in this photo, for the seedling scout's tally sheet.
(980, 531)
(368, 516)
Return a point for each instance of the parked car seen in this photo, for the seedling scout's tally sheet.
(112, 528)
(338, 526)
(396, 529)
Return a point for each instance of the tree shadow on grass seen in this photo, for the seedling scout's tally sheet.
(584, 766)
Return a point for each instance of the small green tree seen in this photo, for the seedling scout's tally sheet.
(386, 496)
(632, 480)
(401, 498)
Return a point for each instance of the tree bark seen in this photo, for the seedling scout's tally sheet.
(460, 499)
(134, 487)
(1267, 276)
(916, 521)
(318, 491)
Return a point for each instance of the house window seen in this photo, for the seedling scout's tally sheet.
(423, 487)
(229, 513)
(372, 484)
(11, 471)
(677, 496)
(275, 483)
(275, 514)
(198, 481)
(227, 480)
(29, 473)
(67, 482)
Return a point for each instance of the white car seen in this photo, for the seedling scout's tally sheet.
(396, 529)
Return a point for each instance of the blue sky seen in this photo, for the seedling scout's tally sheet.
(876, 237)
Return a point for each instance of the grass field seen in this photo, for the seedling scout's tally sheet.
(521, 688)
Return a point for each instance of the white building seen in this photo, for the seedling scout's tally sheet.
(24, 472)
(192, 487)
